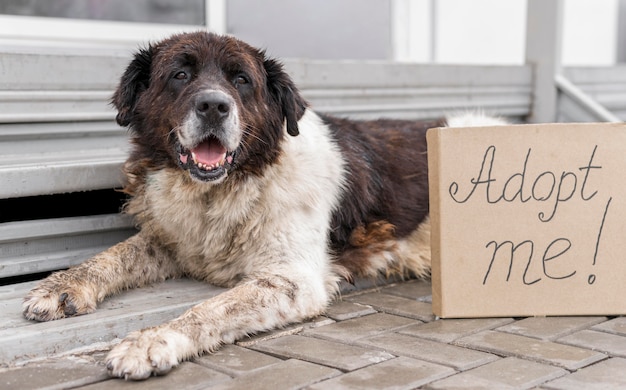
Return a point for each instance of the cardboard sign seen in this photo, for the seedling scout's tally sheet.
(528, 220)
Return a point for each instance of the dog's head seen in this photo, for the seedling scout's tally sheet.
(207, 103)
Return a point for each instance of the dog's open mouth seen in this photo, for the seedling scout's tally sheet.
(207, 161)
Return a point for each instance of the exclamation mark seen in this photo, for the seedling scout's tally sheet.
(592, 277)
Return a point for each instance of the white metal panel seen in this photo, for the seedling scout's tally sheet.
(413, 91)
(67, 70)
(56, 125)
(28, 247)
(50, 106)
(570, 111)
(578, 99)
(46, 158)
(383, 74)
(605, 85)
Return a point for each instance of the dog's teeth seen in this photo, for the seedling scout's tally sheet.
(216, 165)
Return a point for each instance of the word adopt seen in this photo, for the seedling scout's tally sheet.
(548, 188)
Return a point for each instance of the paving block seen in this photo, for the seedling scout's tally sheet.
(344, 310)
(392, 304)
(359, 285)
(415, 289)
(329, 353)
(569, 357)
(399, 373)
(609, 374)
(187, 375)
(60, 374)
(448, 330)
(269, 335)
(550, 328)
(285, 331)
(612, 344)
(290, 374)
(318, 321)
(356, 328)
(431, 351)
(234, 360)
(615, 326)
(509, 373)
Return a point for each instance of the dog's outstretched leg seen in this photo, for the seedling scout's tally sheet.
(257, 304)
(131, 263)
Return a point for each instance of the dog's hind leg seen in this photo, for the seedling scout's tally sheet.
(131, 263)
(376, 251)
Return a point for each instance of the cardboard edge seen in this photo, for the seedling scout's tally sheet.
(433, 145)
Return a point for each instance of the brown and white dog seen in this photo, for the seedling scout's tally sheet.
(235, 181)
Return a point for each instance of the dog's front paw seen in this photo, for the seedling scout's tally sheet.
(52, 300)
(152, 351)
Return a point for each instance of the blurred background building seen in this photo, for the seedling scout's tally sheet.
(426, 31)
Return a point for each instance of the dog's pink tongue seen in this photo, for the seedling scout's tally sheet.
(209, 152)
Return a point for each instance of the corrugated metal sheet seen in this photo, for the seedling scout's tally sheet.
(29, 247)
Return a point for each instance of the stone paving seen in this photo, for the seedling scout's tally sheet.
(385, 338)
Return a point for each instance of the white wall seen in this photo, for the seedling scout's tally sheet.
(589, 32)
(493, 31)
(319, 29)
(440, 31)
(480, 31)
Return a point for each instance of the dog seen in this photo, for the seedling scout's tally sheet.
(234, 180)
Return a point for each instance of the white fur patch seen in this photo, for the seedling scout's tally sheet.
(474, 119)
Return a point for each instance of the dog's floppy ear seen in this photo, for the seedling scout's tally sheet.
(134, 81)
(284, 91)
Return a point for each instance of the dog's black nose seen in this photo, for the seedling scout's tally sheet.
(213, 105)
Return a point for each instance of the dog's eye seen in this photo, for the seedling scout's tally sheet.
(181, 76)
(240, 80)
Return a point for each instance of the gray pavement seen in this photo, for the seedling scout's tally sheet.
(384, 338)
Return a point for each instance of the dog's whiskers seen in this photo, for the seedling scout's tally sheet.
(251, 131)
(172, 132)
